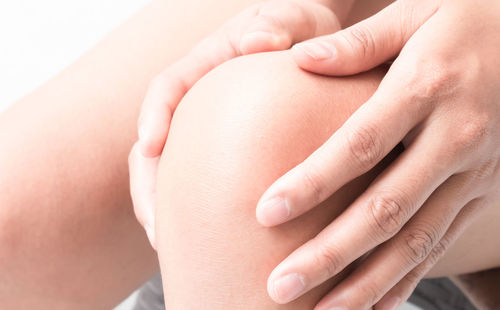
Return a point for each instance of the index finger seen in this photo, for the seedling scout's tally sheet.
(365, 139)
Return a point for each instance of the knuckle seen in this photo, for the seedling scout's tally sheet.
(437, 252)
(365, 146)
(486, 170)
(471, 134)
(419, 244)
(360, 39)
(328, 257)
(428, 82)
(387, 213)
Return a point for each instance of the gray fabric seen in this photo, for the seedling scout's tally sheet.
(151, 295)
(430, 294)
(439, 294)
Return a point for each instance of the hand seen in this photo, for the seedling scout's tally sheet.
(267, 26)
(441, 96)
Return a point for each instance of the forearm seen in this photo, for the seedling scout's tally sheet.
(481, 287)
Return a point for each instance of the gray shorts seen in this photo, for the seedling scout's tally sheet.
(431, 294)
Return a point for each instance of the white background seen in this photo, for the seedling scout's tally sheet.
(38, 38)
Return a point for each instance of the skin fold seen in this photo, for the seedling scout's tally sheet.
(240, 127)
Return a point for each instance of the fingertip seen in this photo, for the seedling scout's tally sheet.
(273, 211)
(301, 58)
(261, 218)
(317, 57)
(286, 288)
(315, 50)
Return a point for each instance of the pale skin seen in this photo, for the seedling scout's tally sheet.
(440, 97)
(265, 26)
(226, 145)
(69, 238)
(68, 235)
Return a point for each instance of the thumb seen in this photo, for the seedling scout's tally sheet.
(277, 25)
(366, 44)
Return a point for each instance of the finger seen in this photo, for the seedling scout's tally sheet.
(167, 89)
(278, 24)
(390, 262)
(142, 189)
(273, 26)
(367, 43)
(377, 215)
(402, 291)
(352, 150)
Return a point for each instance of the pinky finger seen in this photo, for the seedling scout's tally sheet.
(402, 291)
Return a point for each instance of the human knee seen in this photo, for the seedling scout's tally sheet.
(237, 130)
(253, 118)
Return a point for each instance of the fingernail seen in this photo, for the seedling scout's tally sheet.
(317, 50)
(288, 287)
(274, 211)
(151, 235)
(391, 303)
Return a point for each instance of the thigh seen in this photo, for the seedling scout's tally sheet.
(240, 128)
(68, 235)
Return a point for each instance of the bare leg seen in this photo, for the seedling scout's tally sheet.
(236, 131)
(68, 236)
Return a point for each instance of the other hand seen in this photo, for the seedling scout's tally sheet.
(441, 97)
